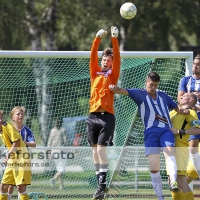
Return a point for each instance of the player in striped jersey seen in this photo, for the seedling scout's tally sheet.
(17, 117)
(154, 108)
(192, 84)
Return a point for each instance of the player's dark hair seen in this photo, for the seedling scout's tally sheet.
(108, 52)
(153, 76)
(197, 56)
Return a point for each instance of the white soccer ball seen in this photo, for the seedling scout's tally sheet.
(128, 10)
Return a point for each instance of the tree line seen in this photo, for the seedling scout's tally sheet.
(71, 25)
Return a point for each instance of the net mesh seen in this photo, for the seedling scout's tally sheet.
(52, 88)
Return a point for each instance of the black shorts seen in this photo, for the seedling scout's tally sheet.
(100, 128)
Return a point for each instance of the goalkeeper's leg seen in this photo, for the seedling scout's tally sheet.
(99, 155)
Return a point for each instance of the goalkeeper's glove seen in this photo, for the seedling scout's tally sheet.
(101, 33)
(114, 32)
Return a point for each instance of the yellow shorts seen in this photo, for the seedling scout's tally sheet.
(17, 176)
(191, 171)
(181, 156)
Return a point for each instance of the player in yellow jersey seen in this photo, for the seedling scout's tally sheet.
(18, 163)
(183, 127)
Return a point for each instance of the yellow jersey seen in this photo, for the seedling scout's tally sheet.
(9, 135)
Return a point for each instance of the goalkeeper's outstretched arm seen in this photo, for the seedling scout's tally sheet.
(117, 90)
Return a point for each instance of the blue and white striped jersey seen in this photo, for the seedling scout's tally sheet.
(154, 113)
(27, 134)
(190, 84)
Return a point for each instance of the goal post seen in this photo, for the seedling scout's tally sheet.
(56, 84)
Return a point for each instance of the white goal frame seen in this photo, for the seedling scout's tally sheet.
(188, 55)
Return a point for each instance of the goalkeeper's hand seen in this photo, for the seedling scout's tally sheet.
(101, 33)
(114, 32)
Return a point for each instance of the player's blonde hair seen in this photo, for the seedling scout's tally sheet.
(17, 108)
(1, 112)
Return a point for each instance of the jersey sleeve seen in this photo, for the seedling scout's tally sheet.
(183, 84)
(137, 95)
(30, 136)
(193, 119)
(116, 60)
(94, 57)
(170, 102)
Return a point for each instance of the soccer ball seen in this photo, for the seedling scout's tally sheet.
(128, 10)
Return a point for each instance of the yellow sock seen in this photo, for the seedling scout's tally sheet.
(177, 195)
(188, 196)
(24, 196)
(3, 196)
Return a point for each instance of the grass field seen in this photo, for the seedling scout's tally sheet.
(81, 186)
(76, 193)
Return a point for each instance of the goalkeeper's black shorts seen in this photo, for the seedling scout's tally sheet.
(100, 128)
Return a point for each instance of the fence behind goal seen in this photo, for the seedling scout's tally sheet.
(54, 85)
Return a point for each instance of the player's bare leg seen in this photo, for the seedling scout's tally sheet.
(99, 155)
(22, 192)
(171, 167)
(154, 164)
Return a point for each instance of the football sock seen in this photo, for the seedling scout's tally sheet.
(97, 172)
(177, 195)
(102, 175)
(196, 161)
(23, 196)
(171, 168)
(3, 196)
(9, 196)
(188, 196)
(157, 184)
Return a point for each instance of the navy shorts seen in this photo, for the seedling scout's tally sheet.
(156, 139)
(100, 128)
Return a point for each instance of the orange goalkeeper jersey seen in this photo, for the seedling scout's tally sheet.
(101, 96)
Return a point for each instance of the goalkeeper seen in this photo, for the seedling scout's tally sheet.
(101, 120)
(183, 127)
(18, 164)
(153, 107)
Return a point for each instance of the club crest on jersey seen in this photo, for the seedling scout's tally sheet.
(195, 122)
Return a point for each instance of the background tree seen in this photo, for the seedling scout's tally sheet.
(72, 24)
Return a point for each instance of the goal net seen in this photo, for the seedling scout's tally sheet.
(56, 85)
